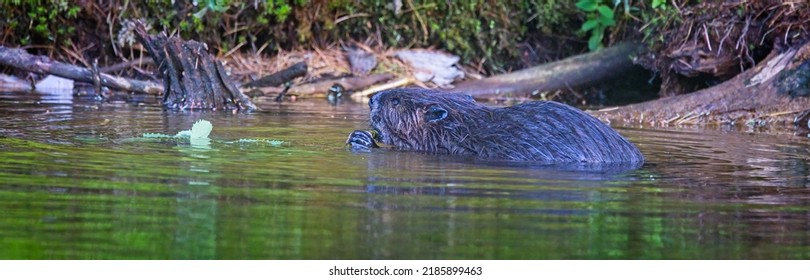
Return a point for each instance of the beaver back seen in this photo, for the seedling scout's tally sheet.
(541, 131)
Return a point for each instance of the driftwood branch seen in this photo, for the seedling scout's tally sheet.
(280, 77)
(320, 88)
(21, 59)
(401, 82)
(571, 72)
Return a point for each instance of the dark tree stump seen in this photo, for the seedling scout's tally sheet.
(192, 78)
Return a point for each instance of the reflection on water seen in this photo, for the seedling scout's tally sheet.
(76, 182)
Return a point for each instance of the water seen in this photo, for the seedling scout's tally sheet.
(77, 182)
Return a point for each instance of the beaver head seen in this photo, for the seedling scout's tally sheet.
(418, 119)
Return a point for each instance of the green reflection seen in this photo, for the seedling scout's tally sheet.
(312, 199)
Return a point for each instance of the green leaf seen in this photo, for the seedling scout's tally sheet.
(282, 12)
(156, 135)
(587, 5)
(217, 7)
(183, 134)
(595, 42)
(200, 143)
(274, 143)
(201, 13)
(607, 21)
(73, 12)
(588, 25)
(201, 129)
(605, 11)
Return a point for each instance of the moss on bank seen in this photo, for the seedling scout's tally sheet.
(496, 35)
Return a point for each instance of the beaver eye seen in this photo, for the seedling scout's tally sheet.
(394, 101)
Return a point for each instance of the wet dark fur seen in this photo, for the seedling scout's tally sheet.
(431, 121)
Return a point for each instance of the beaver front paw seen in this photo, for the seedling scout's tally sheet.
(361, 140)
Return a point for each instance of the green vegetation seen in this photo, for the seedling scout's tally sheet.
(658, 18)
(198, 134)
(38, 21)
(479, 31)
(497, 37)
(200, 129)
(600, 17)
(601, 14)
(224, 24)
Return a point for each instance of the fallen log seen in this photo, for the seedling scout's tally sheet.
(573, 72)
(192, 78)
(21, 59)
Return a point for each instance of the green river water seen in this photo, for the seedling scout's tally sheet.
(77, 182)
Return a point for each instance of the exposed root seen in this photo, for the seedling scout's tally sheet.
(703, 52)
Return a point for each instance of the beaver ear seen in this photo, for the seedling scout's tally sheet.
(435, 113)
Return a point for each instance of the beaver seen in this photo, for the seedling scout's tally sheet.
(448, 123)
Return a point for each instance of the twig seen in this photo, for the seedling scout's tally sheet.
(784, 113)
(723, 40)
(608, 109)
(341, 19)
(261, 49)
(706, 34)
(126, 64)
(421, 22)
(393, 84)
(234, 49)
(687, 119)
(668, 121)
